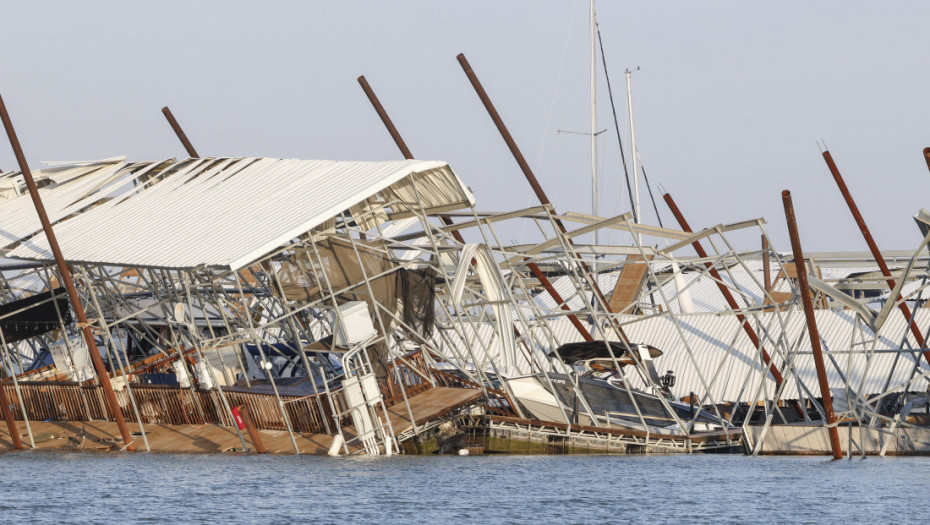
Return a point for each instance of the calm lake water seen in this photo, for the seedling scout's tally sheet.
(50, 487)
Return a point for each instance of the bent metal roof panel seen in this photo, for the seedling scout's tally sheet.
(229, 212)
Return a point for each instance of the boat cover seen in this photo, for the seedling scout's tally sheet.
(34, 315)
(582, 351)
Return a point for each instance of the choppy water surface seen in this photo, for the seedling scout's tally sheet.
(47, 487)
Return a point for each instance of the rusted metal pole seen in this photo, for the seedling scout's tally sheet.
(927, 156)
(180, 133)
(253, 432)
(65, 274)
(10, 422)
(521, 161)
(879, 259)
(405, 151)
(559, 301)
(723, 289)
(401, 145)
(508, 138)
(812, 325)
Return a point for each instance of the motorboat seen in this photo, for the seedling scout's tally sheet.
(594, 392)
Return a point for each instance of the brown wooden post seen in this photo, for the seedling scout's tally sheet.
(180, 133)
(875, 251)
(559, 301)
(505, 133)
(398, 140)
(253, 432)
(812, 325)
(65, 274)
(8, 415)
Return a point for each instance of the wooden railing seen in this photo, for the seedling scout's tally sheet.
(499, 403)
(411, 370)
(68, 401)
(170, 404)
(58, 401)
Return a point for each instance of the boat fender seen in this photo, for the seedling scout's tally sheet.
(338, 440)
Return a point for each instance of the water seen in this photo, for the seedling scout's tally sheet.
(53, 487)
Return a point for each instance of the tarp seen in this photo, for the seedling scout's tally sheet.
(34, 315)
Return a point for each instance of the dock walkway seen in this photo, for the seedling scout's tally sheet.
(428, 408)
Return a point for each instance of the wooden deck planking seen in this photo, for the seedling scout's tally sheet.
(431, 404)
(102, 435)
(629, 283)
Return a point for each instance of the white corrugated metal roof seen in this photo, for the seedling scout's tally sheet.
(705, 295)
(18, 218)
(229, 212)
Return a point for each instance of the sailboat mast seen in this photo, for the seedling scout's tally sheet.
(594, 199)
(629, 97)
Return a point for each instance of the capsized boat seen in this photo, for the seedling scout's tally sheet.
(595, 394)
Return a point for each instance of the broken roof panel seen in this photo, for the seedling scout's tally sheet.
(18, 218)
(229, 212)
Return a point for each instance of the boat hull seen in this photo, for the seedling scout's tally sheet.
(553, 397)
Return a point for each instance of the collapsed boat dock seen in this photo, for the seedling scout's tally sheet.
(370, 307)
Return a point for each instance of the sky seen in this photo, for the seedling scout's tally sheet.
(730, 99)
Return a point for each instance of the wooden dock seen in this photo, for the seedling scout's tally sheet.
(428, 407)
(103, 436)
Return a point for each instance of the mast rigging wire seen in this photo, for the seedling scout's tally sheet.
(649, 187)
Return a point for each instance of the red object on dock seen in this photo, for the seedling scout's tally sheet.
(238, 417)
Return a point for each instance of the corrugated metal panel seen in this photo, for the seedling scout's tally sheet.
(705, 295)
(229, 212)
(19, 218)
(565, 287)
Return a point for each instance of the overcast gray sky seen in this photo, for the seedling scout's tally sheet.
(730, 101)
